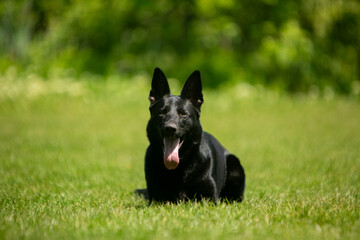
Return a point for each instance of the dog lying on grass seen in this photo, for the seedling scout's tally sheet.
(183, 162)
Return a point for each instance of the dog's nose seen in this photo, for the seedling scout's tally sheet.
(170, 129)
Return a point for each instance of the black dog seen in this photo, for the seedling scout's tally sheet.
(182, 161)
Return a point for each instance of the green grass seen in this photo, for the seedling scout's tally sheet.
(71, 155)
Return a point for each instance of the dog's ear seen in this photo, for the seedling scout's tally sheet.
(159, 86)
(192, 89)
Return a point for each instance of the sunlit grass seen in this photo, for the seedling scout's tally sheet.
(70, 160)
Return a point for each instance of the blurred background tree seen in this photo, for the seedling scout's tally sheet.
(283, 44)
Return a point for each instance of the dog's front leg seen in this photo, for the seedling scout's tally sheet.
(206, 189)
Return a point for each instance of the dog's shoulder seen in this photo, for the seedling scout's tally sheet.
(211, 149)
(212, 143)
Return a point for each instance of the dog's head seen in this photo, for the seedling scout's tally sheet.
(174, 119)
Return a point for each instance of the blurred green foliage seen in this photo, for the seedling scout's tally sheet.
(284, 44)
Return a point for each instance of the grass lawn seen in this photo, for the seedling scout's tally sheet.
(71, 155)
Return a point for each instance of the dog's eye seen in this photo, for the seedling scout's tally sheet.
(183, 114)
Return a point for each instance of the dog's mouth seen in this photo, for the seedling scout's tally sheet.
(171, 152)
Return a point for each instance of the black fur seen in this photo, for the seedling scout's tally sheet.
(206, 169)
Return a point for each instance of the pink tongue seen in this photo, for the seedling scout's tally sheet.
(171, 153)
